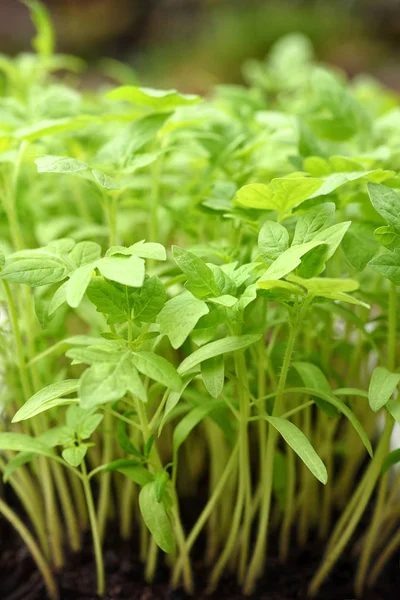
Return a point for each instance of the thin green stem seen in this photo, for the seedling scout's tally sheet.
(373, 473)
(95, 531)
(259, 553)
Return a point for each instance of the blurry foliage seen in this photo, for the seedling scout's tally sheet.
(192, 44)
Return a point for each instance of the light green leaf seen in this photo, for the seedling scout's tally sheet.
(386, 203)
(109, 300)
(300, 444)
(314, 263)
(75, 455)
(273, 240)
(59, 164)
(158, 100)
(255, 195)
(35, 271)
(82, 422)
(200, 279)
(346, 411)
(388, 237)
(105, 181)
(288, 261)
(312, 222)
(54, 126)
(158, 368)
(225, 300)
(84, 253)
(213, 375)
(105, 382)
(282, 194)
(387, 265)
(381, 387)
(45, 398)
(313, 377)
(78, 283)
(59, 298)
(44, 40)
(223, 346)
(20, 442)
(20, 459)
(149, 300)
(148, 250)
(156, 518)
(126, 270)
(359, 245)
(132, 470)
(191, 420)
(179, 316)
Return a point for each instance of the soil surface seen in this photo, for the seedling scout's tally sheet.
(20, 581)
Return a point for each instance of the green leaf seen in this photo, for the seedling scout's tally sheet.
(313, 377)
(54, 126)
(226, 300)
(200, 279)
(17, 461)
(346, 411)
(288, 261)
(191, 420)
(282, 194)
(273, 239)
(359, 245)
(254, 195)
(312, 222)
(47, 398)
(75, 455)
(132, 470)
(172, 401)
(148, 250)
(78, 283)
(158, 100)
(59, 164)
(387, 265)
(126, 270)
(213, 375)
(59, 298)
(223, 346)
(393, 407)
(149, 300)
(98, 353)
(35, 271)
(44, 41)
(109, 300)
(386, 203)
(391, 459)
(61, 435)
(179, 316)
(314, 262)
(156, 518)
(388, 237)
(82, 422)
(300, 444)
(20, 442)
(105, 382)
(124, 442)
(158, 368)
(105, 181)
(84, 253)
(381, 387)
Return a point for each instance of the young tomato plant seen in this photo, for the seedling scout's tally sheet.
(199, 290)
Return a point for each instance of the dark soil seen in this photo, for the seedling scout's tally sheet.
(20, 581)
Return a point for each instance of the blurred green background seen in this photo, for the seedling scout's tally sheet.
(193, 44)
